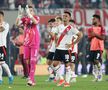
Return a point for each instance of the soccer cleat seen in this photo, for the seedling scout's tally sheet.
(61, 82)
(66, 84)
(84, 76)
(55, 81)
(74, 76)
(30, 83)
(50, 79)
(11, 80)
(95, 80)
(24, 77)
(73, 80)
(1, 82)
(99, 78)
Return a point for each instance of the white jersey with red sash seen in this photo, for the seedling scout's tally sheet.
(52, 43)
(58, 30)
(66, 36)
(75, 48)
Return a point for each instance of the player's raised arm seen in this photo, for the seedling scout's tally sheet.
(30, 14)
(20, 14)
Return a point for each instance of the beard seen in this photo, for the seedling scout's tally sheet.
(94, 23)
(64, 20)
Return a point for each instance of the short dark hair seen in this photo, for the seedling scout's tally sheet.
(2, 13)
(96, 16)
(71, 20)
(67, 12)
(30, 6)
(51, 20)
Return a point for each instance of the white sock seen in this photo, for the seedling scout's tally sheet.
(51, 71)
(73, 75)
(61, 72)
(68, 74)
(6, 67)
(58, 72)
(95, 71)
(1, 72)
(56, 77)
(62, 69)
(99, 69)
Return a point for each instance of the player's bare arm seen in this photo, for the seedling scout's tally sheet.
(80, 35)
(1, 28)
(102, 37)
(70, 44)
(30, 13)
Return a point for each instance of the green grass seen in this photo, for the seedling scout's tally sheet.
(81, 84)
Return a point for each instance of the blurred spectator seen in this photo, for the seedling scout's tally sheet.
(82, 54)
(95, 3)
(53, 5)
(106, 3)
(20, 2)
(13, 49)
(42, 4)
(72, 2)
(1, 3)
(11, 4)
(36, 3)
(85, 3)
(67, 4)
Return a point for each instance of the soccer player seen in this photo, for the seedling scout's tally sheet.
(57, 27)
(63, 44)
(18, 41)
(4, 28)
(74, 53)
(96, 35)
(31, 40)
(51, 29)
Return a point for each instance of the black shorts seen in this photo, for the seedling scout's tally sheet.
(64, 56)
(95, 55)
(2, 53)
(50, 56)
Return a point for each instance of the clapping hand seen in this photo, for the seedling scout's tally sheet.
(28, 11)
(20, 11)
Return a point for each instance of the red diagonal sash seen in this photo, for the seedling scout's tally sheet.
(63, 34)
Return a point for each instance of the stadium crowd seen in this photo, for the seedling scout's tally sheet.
(52, 4)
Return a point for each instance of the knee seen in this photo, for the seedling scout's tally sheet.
(49, 62)
(96, 62)
(55, 63)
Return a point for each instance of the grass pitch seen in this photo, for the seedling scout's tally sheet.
(81, 84)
